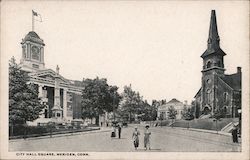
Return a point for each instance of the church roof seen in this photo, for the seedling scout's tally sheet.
(198, 93)
(233, 80)
(211, 51)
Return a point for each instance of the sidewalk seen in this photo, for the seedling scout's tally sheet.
(95, 130)
(206, 131)
(205, 134)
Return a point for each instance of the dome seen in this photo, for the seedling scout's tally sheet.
(33, 34)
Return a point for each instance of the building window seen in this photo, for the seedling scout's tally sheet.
(35, 53)
(24, 52)
(58, 114)
(208, 81)
(208, 64)
(209, 96)
(35, 66)
(225, 109)
(225, 96)
(219, 64)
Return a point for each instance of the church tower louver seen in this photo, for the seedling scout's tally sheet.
(219, 92)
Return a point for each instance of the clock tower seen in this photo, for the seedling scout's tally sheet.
(32, 52)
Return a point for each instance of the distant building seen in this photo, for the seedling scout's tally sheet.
(219, 91)
(163, 110)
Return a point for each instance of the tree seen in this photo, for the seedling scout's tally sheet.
(188, 113)
(131, 103)
(24, 104)
(149, 112)
(98, 97)
(172, 114)
(218, 114)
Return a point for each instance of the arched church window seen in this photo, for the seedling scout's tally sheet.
(225, 109)
(225, 95)
(209, 95)
(208, 64)
(219, 64)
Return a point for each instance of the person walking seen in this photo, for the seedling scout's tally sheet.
(113, 132)
(147, 134)
(119, 131)
(235, 135)
(135, 138)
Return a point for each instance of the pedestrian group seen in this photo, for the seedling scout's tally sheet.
(135, 136)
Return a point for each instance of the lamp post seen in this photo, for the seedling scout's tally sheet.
(239, 112)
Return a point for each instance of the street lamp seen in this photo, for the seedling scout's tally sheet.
(239, 112)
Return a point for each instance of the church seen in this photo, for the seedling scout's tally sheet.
(219, 92)
(61, 96)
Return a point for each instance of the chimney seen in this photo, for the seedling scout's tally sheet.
(238, 69)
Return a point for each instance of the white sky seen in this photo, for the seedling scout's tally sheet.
(155, 46)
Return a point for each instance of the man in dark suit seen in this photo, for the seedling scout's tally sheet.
(119, 131)
(235, 134)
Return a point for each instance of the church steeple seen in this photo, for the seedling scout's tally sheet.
(213, 42)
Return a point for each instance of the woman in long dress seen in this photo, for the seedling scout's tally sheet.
(147, 134)
(135, 138)
(113, 133)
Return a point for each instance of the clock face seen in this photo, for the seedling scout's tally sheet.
(35, 52)
(35, 49)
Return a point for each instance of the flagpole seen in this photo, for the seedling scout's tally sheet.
(32, 21)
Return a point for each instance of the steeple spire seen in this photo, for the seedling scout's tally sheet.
(213, 38)
(213, 42)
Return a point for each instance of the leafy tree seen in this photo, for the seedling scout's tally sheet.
(98, 97)
(172, 114)
(188, 113)
(149, 112)
(218, 114)
(131, 103)
(24, 104)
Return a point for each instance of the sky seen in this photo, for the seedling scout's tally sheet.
(154, 46)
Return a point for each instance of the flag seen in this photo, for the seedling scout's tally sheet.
(37, 15)
(34, 13)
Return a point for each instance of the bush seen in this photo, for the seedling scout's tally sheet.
(25, 130)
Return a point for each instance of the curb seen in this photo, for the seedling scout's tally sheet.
(206, 131)
(90, 130)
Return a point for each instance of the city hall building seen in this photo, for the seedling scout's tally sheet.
(219, 91)
(61, 96)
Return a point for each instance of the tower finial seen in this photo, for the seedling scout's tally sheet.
(213, 37)
(57, 69)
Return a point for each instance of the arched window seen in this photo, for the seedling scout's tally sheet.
(225, 96)
(208, 64)
(219, 64)
(209, 96)
(225, 109)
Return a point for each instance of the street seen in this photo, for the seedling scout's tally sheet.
(163, 139)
